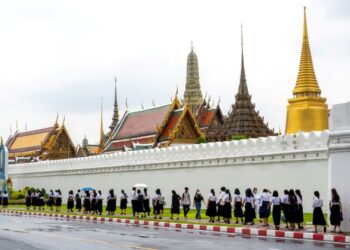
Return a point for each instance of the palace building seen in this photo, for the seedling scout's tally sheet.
(243, 119)
(50, 143)
(307, 110)
(158, 126)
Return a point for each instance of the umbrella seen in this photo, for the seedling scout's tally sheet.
(140, 185)
(86, 189)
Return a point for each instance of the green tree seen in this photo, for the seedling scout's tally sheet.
(238, 137)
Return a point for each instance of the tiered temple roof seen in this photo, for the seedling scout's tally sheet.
(41, 144)
(156, 127)
(243, 119)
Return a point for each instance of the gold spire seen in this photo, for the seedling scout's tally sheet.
(307, 110)
(306, 82)
(102, 134)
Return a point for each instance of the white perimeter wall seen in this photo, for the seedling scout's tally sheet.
(276, 163)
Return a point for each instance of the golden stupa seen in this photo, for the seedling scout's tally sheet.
(307, 110)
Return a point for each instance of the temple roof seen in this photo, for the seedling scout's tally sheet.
(29, 140)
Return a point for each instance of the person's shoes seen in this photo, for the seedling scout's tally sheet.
(324, 229)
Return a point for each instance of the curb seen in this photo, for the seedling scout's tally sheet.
(279, 234)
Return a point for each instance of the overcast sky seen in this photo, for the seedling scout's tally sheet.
(62, 56)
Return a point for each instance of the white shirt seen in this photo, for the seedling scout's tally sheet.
(227, 198)
(123, 196)
(285, 199)
(317, 202)
(237, 197)
(211, 197)
(257, 199)
(248, 199)
(266, 197)
(99, 197)
(299, 200)
(5, 195)
(133, 195)
(276, 201)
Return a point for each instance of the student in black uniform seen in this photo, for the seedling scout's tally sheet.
(93, 201)
(70, 201)
(237, 204)
(87, 203)
(35, 197)
(58, 201)
(28, 199)
(221, 203)
(51, 200)
(133, 198)
(336, 211)
(0, 197)
(146, 208)
(111, 202)
(123, 202)
(300, 210)
(41, 201)
(78, 205)
(293, 210)
(197, 202)
(211, 206)
(139, 204)
(317, 216)
(175, 204)
(286, 208)
(276, 209)
(99, 202)
(227, 213)
(248, 203)
(159, 204)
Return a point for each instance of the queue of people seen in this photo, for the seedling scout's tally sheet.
(287, 208)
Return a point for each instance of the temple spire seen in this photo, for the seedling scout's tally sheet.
(306, 82)
(243, 88)
(115, 117)
(102, 134)
(193, 94)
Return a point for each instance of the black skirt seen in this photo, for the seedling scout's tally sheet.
(58, 202)
(238, 210)
(139, 206)
(78, 204)
(111, 205)
(93, 205)
(264, 210)
(28, 201)
(221, 210)
(276, 215)
(50, 202)
(286, 212)
(87, 205)
(70, 204)
(34, 201)
(159, 208)
(318, 217)
(211, 210)
(5, 201)
(300, 214)
(99, 205)
(227, 214)
(175, 209)
(146, 206)
(335, 217)
(123, 203)
(249, 213)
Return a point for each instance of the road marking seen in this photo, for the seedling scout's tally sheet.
(205, 242)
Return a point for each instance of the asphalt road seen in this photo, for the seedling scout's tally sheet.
(23, 232)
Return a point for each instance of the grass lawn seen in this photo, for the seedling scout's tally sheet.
(166, 216)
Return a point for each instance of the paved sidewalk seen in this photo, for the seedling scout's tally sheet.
(229, 229)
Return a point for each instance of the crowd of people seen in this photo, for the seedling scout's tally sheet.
(287, 208)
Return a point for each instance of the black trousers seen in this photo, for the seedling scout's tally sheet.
(133, 207)
(186, 209)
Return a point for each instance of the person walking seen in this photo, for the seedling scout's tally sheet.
(133, 198)
(58, 200)
(221, 203)
(87, 203)
(300, 210)
(286, 208)
(317, 215)
(93, 201)
(139, 204)
(175, 205)
(146, 208)
(237, 205)
(70, 201)
(248, 203)
(227, 214)
(35, 197)
(257, 201)
(123, 202)
(265, 208)
(197, 202)
(336, 211)
(99, 202)
(186, 202)
(51, 200)
(293, 209)
(211, 206)
(111, 203)
(276, 209)
(28, 199)
(159, 204)
(5, 199)
(78, 204)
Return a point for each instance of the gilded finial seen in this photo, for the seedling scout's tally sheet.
(142, 106)
(102, 134)
(17, 130)
(115, 91)
(126, 104)
(56, 121)
(64, 119)
(191, 45)
(153, 103)
(177, 90)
